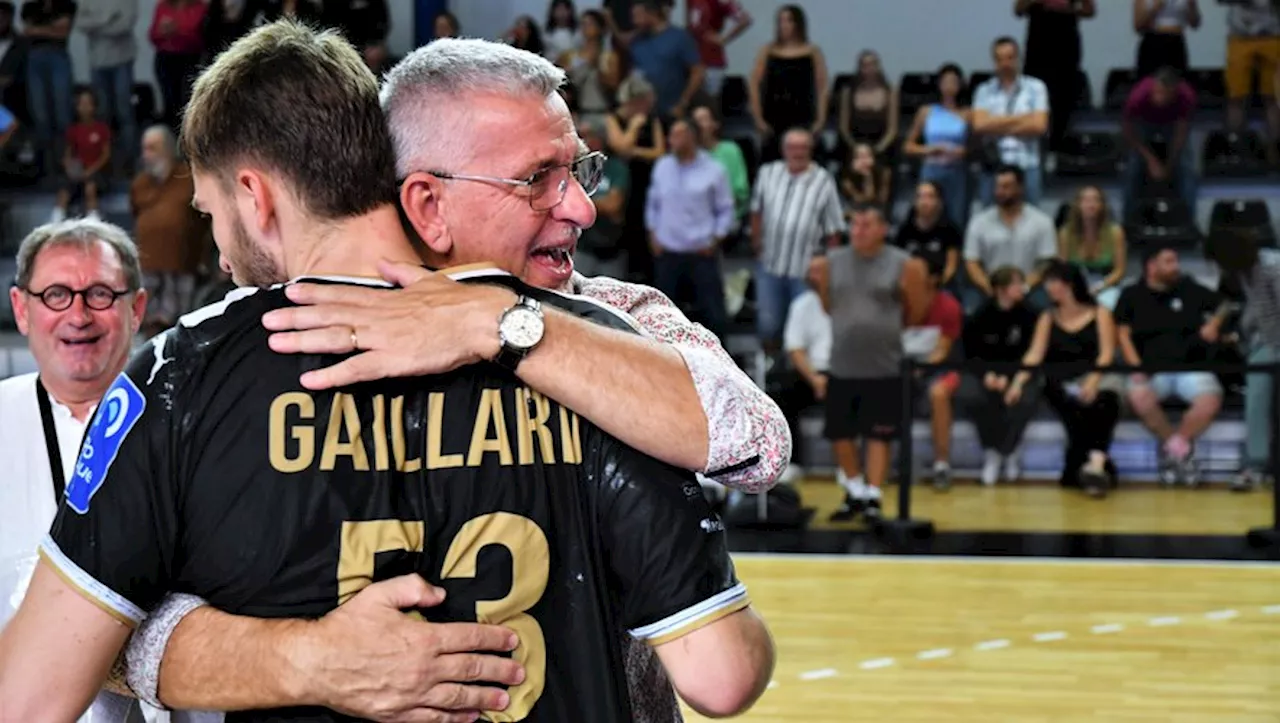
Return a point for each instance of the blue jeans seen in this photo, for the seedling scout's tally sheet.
(1183, 169)
(954, 181)
(694, 281)
(49, 93)
(114, 86)
(774, 295)
(1257, 409)
(1032, 190)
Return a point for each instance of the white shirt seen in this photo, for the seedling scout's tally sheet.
(27, 504)
(808, 329)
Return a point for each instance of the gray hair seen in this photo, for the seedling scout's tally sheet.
(83, 233)
(162, 130)
(421, 90)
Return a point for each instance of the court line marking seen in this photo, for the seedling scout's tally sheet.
(876, 663)
(1271, 610)
(934, 654)
(992, 644)
(1049, 637)
(1004, 560)
(1164, 621)
(1221, 615)
(1108, 628)
(819, 674)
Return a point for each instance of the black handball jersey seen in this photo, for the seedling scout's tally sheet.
(209, 470)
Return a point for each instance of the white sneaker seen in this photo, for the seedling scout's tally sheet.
(1013, 465)
(991, 467)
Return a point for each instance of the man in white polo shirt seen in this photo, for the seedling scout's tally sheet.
(78, 301)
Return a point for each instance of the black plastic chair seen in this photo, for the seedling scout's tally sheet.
(1210, 87)
(1060, 218)
(1234, 154)
(733, 97)
(1089, 154)
(1084, 101)
(751, 155)
(915, 91)
(1162, 222)
(1250, 215)
(1120, 82)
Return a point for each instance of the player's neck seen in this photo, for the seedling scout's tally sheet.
(354, 247)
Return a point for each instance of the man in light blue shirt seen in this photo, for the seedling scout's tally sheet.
(1012, 109)
(689, 213)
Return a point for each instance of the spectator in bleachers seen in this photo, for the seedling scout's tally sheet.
(1257, 272)
(1093, 240)
(863, 179)
(1253, 46)
(446, 25)
(8, 127)
(788, 85)
(366, 25)
(666, 55)
(795, 210)
(1162, 25)
(939, 136)
(169, 232)
(869, 108)
(561, 34)
(225, 21)
(525, 35)
(306, 11)
(46, 24)
(1054, 53)
(729, 155)
(13, 63)
(929, 235)
(689, 214)
(1168, 318)
(1013, 232)
(593, 67)
(807, 341)
(599, 251)
(1156, 123)
(1073, 339)
(934, 340)
(872, 292)
(88, 151)
(636, 135)
(1011, 112)
(714, 24)
(108, 27)
(998, 334)
(177, 32)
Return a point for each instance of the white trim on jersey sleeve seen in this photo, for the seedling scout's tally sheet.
(88, 586)
(691, 618)
(217, 308)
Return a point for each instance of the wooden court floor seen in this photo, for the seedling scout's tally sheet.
(961, 639)
(1042, 507)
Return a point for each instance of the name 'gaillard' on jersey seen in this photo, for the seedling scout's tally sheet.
(209, 470)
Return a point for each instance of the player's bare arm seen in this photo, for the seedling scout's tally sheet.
(722, 669)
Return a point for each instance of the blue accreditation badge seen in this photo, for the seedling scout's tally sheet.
(119, 410)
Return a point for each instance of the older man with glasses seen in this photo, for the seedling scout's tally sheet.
(79, 302)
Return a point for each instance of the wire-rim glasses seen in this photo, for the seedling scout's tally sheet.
(59, 297)
(548, 186)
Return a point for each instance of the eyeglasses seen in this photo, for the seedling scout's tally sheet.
(547, 186)
(98, 297)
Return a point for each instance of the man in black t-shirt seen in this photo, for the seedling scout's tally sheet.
(46, 25)
(210, 469)
(1169, 319)
(930, 236)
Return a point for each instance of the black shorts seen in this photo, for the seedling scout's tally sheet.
(870, 408)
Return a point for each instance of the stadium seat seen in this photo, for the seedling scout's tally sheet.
(1234, 154)
(1085, 100)
(1250, 215)
(1161, 221)
(733, 97)
(916, 91)
(144, 104)
(1119, 82)
(1089, 154)
(1210, 87)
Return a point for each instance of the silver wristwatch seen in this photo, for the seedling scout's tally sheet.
(520, 330)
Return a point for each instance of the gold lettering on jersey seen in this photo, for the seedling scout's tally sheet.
(360, 544)
(343, 417)
(489, 414)
(304, 435)
(570, 440)
(397, 438)
(381, 455)
(436, 458)
(532, 412)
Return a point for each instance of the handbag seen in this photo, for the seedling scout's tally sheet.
(988, 151)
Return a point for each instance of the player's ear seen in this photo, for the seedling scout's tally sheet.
(255, 198)
(421, 197)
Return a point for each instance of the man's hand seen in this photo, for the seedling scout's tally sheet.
(1210, 332)
(1156, 170)
(1089, 391)
(370, 660)
(1013, 394)
(432, 325)
(819, 384)
(991, 382)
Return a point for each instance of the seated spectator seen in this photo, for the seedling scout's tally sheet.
(999, 333)
(1168, 318)
(366, 25)
(1011, 115)
(1073, 340)
(1156, 123)
(1094, 241)
(88, 153)
(807, 341)
(688, 213)
(869, 109)
(706, 21)
(169, 232)
(525, 35)
(599, 251)
(592, 67)
(863, 180)
(666, 55)
(307, 11)
(939, 135)
(929, 235)
(445, 25)
(561, 36)
(728, 154)
(788, 85)
(1013, 233)
(1162, 25)
(933, 341)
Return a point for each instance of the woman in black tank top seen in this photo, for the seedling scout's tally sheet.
(1074, 338)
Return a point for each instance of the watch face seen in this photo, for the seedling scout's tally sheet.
(522, 328)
